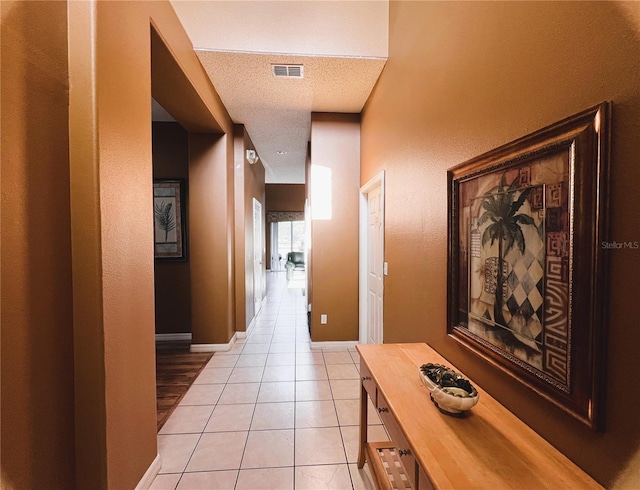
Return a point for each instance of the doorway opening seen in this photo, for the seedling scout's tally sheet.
(286, 237)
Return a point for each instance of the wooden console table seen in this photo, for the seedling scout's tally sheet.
(488, 447)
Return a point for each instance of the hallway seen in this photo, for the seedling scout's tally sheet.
(270, 413)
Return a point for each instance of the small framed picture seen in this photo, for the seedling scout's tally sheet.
(169, 219)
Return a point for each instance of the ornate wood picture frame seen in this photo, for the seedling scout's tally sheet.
(526, 265)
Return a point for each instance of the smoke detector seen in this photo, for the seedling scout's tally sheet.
(288, 71)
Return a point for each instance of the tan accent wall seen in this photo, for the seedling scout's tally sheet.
(37, 417)
(172, 279)
(463, 78)
(249, 184)
(335, 144)
(78, 374)
(281, 197)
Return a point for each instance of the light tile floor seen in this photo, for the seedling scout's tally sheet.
(270, 413)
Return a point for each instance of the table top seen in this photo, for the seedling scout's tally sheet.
(489, 447)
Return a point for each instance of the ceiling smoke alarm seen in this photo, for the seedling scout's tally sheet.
(288, 71)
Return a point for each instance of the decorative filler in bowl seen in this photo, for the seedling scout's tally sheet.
(450, 391)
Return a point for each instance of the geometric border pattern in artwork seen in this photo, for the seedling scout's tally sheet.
(556, 328)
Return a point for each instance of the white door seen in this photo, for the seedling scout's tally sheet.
(375, 259)
(257, 255)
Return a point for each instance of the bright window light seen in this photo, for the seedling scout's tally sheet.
(320, 192)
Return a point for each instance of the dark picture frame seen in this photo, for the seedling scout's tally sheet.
(169, 219)
(526, 264)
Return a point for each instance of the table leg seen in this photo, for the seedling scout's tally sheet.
(363, 426)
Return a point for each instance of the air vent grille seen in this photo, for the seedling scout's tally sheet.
(288, 71)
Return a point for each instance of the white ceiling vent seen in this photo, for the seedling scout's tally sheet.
(288, 71)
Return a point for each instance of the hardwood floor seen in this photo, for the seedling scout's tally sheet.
(176, 369)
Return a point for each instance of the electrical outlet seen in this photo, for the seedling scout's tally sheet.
(323, 319)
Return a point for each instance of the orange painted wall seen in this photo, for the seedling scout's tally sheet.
(78, 371)
(282, 197)
(37, 418)
(335, 144)
(172, 278)
(212, 296)
(461, 79)
(249, 184)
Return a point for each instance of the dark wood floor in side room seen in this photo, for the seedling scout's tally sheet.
(176, 369)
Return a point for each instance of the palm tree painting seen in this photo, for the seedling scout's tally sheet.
(164, 216)
(168, 220)
(510, 266)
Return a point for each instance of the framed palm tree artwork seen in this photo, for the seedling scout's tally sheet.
(169, 219)
(526, 269)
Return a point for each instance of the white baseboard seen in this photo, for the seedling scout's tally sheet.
(245, 334)
(214, 347)
(338, 345)
(172, 337)
(147, 479)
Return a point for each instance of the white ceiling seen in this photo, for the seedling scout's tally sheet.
(342, 45)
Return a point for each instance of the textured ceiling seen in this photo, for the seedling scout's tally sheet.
(277, 111)
(342, 45)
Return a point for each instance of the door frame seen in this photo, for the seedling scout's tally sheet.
(258, 260)
(376, 181)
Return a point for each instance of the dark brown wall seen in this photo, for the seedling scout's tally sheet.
(172, 278)
(38, 449)
(463, 78)
(285, 197)
(335, 144)
(282, 197)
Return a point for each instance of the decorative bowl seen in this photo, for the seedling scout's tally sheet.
(450, 391)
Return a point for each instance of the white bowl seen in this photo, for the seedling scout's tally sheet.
(449, 399)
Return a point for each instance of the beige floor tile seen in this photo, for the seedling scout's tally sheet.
(246, 374)
(268, 449)
(251, 360)
(361, 478)
(319, 446)
(282, 347)
(351, 439)
(315, 414)
(355, 356)
(265, 328)
(165, 482)
(202, 394)
(304, 358)
(348, 412)
(338, 358)
(256, 349)
(258, 339)
(303, 346)
(239, 393)
(226, 418)
(272, 416)
(209, 480)
(219, 360)
(318, 389)
(281, 359)
(187, 419)
(266, 479)
(324, 477)
(175, 451)
(236, 349)
(284, 338)
(345, 389)
(279, 373)
(213, 375)
(310, 371)
(218, 451)
(278, 391)
(342, 371)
